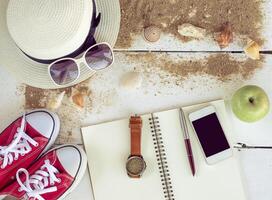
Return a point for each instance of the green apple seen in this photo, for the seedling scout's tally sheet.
(250, 103)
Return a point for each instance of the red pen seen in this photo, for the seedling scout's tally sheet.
(187, 141)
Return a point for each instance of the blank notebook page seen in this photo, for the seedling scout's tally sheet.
(108, 147)
(221, 181)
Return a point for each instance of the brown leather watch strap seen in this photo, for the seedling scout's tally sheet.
(135, 125)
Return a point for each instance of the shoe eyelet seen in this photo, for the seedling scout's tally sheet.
(22, 154)
(36, 145)
(59, 180)
(15, 158)
(20, 190)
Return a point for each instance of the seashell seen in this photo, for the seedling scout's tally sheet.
(55, 102)
(192, 13)
(131, 80)
(252, 50)
(79, 100)
(225, 37)
(189, 30)
(207, 15)
(152, 33)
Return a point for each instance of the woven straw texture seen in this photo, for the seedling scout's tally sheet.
(35, 74)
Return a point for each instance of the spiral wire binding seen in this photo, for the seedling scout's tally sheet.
(161, 158)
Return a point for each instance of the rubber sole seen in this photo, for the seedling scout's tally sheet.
(55, 132)
(81, 170)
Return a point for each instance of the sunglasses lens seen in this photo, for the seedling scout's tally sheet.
(99, 57)
(64, 72)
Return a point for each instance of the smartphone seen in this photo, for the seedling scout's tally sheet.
(210, 134)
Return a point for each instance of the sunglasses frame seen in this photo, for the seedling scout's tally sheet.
(78, 61)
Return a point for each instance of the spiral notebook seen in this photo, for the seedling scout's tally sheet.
(168, 175)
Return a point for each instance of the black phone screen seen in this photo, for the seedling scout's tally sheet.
(210, 134)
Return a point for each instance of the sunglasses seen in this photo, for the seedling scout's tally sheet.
(67, 70)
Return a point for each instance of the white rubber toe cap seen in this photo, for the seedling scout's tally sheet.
(43, 121)
(70, 158)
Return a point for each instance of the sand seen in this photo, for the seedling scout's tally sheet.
(245, 17)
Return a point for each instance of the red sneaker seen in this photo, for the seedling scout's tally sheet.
(51, 177)
(23, 141)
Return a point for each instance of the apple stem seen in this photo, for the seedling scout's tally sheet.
(251, 100)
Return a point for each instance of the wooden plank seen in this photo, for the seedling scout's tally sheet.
(170, 43)
(160, 90)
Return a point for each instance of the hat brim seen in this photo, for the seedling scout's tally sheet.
(36, 74)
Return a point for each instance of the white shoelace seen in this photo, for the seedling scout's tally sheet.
(19, 146)
(37, 184)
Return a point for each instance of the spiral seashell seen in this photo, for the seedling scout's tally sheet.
(152, 33)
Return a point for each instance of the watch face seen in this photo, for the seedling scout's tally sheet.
(135, 166)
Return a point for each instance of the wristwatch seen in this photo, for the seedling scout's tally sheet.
(135, 164)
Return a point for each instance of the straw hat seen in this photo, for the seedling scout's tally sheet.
(50, 29)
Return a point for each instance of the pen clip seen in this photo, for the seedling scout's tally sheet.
(183, 123)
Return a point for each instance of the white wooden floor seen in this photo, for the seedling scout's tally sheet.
(255, 164)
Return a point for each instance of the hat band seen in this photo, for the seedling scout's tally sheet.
(89, 41)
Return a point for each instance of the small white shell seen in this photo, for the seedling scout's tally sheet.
(55, 101)
(189, 30)
(131, 80)
(152, 33)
